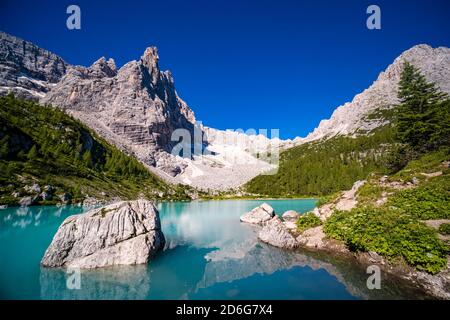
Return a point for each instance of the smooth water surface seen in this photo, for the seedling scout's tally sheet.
(209, 254)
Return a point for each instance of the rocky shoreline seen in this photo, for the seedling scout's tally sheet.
(282, 232)
(35, 194)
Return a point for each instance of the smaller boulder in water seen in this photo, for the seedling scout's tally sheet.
(290, 215)
(259, 215)
(276, 234)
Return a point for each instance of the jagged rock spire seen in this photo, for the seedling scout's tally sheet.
(150, 60)
(101, 67)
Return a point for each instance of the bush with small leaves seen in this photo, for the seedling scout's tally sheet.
(307, 221)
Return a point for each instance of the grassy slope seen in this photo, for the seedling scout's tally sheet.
(46, 146)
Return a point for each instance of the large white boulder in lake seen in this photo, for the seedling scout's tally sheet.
(123, 233)
(276, 234)
(259, 214)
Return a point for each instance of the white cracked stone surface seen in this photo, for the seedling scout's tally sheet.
(258, 215)
(123, 233)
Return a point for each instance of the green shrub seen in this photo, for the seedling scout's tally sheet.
(429, 201)
(369, 192)
(307, 221)
(391, 233)
(444, 228)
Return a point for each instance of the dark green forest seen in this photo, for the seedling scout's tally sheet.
(324, 167)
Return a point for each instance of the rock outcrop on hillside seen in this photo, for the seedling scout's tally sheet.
(27, 70)
(123, 233)
(352, 117)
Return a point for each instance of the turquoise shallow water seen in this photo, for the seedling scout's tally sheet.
(209, 255)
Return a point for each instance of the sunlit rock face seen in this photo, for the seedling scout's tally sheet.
(351, 117)
(27, 70)
(123, 233)
(138, 109)
(258, 215)
(135, 107)
(275, 233)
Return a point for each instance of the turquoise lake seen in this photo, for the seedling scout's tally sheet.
(209, 254)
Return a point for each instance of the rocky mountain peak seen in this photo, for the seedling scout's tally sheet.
(150, 57)
(352, 117)
(112, 64)
(135, 107)
(150, 60)
(103, 68)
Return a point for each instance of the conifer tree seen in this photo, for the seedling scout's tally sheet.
(33, 153)
(422, 116)
(87, 159)
(4, 147)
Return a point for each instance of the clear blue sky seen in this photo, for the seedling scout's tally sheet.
(242, 64)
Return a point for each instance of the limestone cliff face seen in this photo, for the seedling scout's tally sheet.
(136, 106)
(27, 70)
(351, 117)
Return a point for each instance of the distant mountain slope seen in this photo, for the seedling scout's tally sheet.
(352, 117)
(137, 109)
(355, 141)
(27, 70)
(135, 106)
(44, 146)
